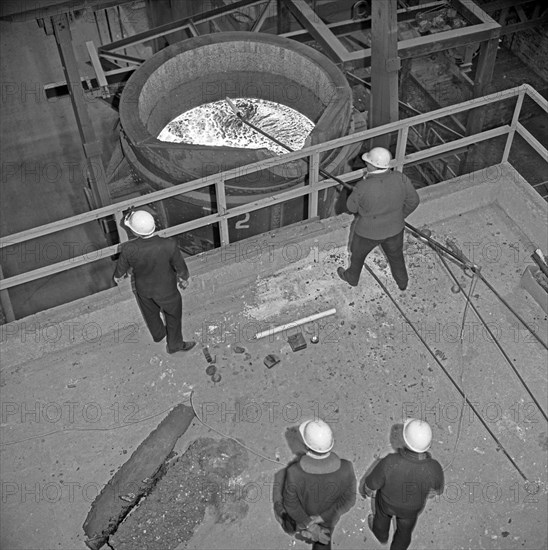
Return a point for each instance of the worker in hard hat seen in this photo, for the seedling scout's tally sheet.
(157, 265)
(381, 201)
(320, 487)
(403, 481)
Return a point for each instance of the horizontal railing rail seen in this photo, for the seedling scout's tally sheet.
(310, 155)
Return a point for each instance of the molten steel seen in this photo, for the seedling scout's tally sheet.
(216, 124)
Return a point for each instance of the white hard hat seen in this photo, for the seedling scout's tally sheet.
(417, 435)
(317, 435)
(141, 223)
(379, 157)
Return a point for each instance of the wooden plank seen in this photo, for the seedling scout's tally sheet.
(306, 16)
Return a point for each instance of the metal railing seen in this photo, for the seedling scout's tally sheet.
(311, 189)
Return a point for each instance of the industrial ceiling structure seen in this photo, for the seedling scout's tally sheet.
(476, 31)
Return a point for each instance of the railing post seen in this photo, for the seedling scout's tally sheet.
(401, 146)
(513, 125)
(6, 302)
(221, 211)
(313, 176)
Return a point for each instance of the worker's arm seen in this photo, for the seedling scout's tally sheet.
(376, 479)
(122, 266)
(353, 201)
(346, 499)
(412, 199)
(178, 263)
(292, 501)
(365, 491)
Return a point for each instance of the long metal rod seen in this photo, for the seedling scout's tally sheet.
(458, 388)
(294, 324)
(467, 264)
(324, 173)
(494, 339)
(455, 253)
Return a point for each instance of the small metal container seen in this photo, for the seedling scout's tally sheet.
(315, 339)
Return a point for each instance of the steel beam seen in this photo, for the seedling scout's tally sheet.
(484, 74)
(385, 65)
(310, 20)
(92, 149)
(45, 12)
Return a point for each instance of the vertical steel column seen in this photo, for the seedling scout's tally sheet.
(476, 117)
(313, 173)
(385, 65)
(92, 149)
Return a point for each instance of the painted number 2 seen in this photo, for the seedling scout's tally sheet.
(242, 224)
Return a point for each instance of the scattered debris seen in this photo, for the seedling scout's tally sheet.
(271, 360)
(296, 341)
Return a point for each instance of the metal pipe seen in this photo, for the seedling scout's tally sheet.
(458, 388)
(294, 324)
(324, 173)
(467, 264)
(496, 342)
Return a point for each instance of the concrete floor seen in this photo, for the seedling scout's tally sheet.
(83, 384)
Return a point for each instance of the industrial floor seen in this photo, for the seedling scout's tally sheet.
(83, 384)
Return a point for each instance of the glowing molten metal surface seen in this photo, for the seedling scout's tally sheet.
(216, 124)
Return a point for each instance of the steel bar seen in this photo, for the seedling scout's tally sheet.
(294, 324)
(467, 264)
(457, 387)
(490, 332)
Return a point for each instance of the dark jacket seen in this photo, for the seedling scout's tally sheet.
(405, 480)
(382, 202)
(319, 487)
(156, 263)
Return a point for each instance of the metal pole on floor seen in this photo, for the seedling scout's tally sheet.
(458, 388)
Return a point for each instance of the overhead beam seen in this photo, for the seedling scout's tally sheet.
(178, 25)
(531, 23)
(310, 20)
(424, 45)
(348, 26)
(90, 144)
(482, 81)
(491, 7)
(56, 8)
(385, 65)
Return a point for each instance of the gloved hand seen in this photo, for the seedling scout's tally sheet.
(183, 283)
(317, 533)
(117, 280)
(367, 492)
